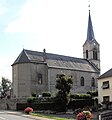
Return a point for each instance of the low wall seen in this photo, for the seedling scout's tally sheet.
(10, 104)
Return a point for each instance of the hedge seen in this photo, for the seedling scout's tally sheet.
(80, 103)
(42, 106)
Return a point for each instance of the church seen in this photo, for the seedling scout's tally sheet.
(36, 72)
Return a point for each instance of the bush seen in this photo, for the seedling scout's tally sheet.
(81, 96)
(30, 100)
(80, 103)
(56, 107)
(46, 94)
(93, 93)
(33, 94)
(28, 110)
(21, 106)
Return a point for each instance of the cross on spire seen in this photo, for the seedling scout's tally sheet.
(89, 4)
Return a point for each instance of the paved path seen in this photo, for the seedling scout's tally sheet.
(28, 116)
(67, 115)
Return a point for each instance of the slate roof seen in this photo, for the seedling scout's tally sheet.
(106, 74)
(90, 32)
(55, 61)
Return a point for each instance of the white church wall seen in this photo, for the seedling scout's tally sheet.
(21, 80)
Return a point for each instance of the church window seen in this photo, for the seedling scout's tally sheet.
(82, 81)
(93, 82)
(39, 78)
(86, 53)
(95, 57)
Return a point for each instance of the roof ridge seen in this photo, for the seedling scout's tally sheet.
(54, 54)
(106, 74)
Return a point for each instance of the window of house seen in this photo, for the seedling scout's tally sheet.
(39, 78)
(82, 81)
(106, 98)
(95, 57)
(93, 82)
(86, 53)
(105, 85)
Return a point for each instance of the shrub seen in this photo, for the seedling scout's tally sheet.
(28, 110)
(72, 96)
(93, 93)
(33, 94)
(30, 100)
(46, 94)
(81, 96)
(80, 103)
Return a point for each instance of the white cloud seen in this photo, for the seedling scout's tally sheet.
(41, 16)
(3, 9)
(61, 25)
(5, 68)
(54, 22)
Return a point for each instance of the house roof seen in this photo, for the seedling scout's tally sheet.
(55, 61)
(106, 74)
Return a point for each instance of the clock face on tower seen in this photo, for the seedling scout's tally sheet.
(94, 44)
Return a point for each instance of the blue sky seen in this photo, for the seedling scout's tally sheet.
(59, 26)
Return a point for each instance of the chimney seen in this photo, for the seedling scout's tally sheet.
(44, 55)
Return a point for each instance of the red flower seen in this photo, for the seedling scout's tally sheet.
(88, 114)
(80, 116)
(28, 110)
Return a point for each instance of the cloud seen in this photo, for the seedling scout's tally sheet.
(5, 68)
(45, 15)
(62, 24)
(3, 9)
(31, 18)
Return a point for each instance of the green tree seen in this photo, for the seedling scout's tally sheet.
(63, 85)
(5, 86)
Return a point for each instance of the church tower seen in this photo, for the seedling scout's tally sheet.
(91, 48)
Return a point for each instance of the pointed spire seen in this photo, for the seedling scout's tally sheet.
(90, 32)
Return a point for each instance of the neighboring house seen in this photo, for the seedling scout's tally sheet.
(36, 72)
(105, 87)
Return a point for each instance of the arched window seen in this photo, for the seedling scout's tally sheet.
(93, 82)
(95, 56)
(82, 81)
(86, 53)
(39, 78)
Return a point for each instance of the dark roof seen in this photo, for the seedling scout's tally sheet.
(90, 32)
(55, 60)
(106, 74)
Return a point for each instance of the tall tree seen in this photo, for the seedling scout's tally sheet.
(5, 86)
(64, 85)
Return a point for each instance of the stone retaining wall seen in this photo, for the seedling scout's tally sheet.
(10, 104)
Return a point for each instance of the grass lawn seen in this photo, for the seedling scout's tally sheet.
(50, 117)
(54, 118)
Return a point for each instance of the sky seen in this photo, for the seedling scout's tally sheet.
(59, 26)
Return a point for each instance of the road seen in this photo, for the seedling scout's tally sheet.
(15, 115)
(7, 116)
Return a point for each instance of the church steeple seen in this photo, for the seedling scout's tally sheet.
(91, 48)
(90, 32)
